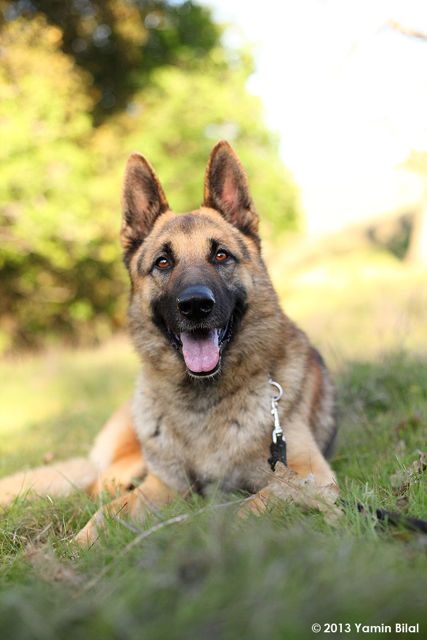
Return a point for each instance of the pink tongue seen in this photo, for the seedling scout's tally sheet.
(201, 354)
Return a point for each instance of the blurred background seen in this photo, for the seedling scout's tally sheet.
(325, 101)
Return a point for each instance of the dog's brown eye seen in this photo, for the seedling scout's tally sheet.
(163, 263)
(221, 256)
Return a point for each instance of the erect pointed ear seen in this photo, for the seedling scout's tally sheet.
(227, 191)
(143, 201)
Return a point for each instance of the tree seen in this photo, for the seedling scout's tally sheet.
(417, 251)
(120, 42)
(62, 154)
(42, 177)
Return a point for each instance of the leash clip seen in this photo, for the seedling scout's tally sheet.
(277, 429)
(278, 444)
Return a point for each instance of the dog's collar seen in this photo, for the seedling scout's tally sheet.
(278, 440)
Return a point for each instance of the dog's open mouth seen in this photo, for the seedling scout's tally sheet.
(202, 349)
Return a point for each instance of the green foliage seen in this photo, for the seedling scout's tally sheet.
(50, 238)
(119, 42)
(175, 91)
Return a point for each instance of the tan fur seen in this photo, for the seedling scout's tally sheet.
(59, 479)
(200, 434)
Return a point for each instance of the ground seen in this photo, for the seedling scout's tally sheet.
(208, 574)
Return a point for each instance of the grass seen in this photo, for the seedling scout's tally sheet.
(55, 404)
(211, 575)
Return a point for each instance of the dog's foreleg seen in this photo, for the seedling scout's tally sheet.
(306, 459)
(134, 505)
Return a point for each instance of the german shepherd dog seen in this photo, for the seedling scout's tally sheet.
(207, 325)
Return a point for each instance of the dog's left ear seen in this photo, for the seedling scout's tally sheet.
(226, 189)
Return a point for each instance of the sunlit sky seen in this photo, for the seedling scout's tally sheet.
(345, 91)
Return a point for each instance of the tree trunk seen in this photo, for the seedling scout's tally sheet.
(417, 251)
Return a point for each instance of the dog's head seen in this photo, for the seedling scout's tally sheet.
(193, 276)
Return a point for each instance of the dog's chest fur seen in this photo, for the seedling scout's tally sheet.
(201, 438)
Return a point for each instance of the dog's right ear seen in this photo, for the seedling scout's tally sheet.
(143, 201)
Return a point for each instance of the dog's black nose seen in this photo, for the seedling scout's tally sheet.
(196, 302)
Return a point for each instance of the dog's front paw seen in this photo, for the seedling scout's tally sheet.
(256, 504)
(307, 492)
(88, 536)
(287, 486)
